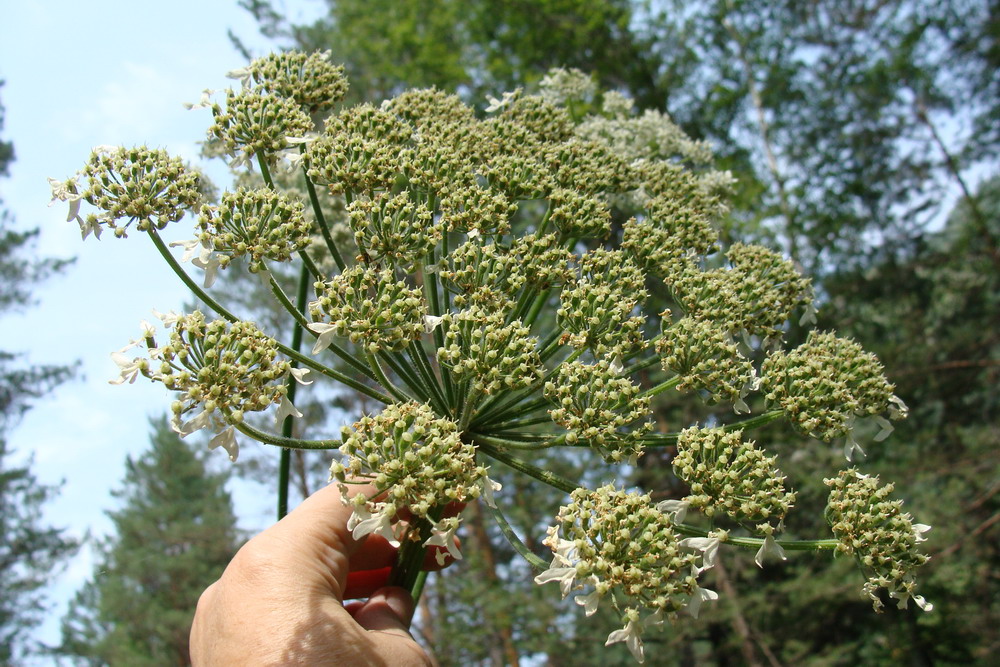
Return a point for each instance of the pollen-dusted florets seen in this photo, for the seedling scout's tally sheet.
(667, 235)
(310, 79)
(137, 185)
(825, 383)
(596, 309)
(757, 295)
(257, 123)
(393, 228)
(496, 356)
(261, 224)
(362, 149)
(706, 359)
(415, 457)
(877, 532)
(730, 476)
(481, 274)
(600, 409)
(575, 214)
(618, 543)
(371, 308)
(542, 260)
(225, 368)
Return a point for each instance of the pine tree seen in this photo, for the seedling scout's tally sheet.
(174, 534)
(29, 550)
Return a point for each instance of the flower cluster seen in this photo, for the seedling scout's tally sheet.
(370, 308)
(730, 476)
(600, 409)
(415, 460)
(876, 531)
(705, 358)
(493, 355)
(311, 80)
(619, 544)
(492, 281)
(224, 369)
(136, 185)
(825, 383)
(259, 224)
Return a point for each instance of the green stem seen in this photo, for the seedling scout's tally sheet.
(757, 542)
(756, 422)
(281, 441)
(398, 365)
(265, 173)
(410, 558)
(321, 219)
(542, 475)
(225, 314)
(287, 425)
(662, 387)
(396, 392)
(506, 443)
(416, 354)
(515, 541)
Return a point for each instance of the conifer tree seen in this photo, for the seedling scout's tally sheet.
(29, 549)
(173, 535)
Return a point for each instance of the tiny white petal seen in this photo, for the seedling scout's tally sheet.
(300, 375)
(700, 595)
(589, 602)
(770, 549)
(286, 409)
(226, 440)
(678, 508)
(432, 322)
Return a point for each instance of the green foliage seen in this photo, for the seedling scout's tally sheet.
(174, 534)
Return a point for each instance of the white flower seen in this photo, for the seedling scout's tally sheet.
(496, 105)
(897, 409)
(300, 375)
(885, 427)
(363, 522)
(226, 440)
(903, 597)
(558, 572)
(285, 409)
(432, 322)
(851, 446)
(770, 549)
(700, 595)
(488, 486)
(630, 634)
(443, 535)
(169, 318)
(678, 508)
(130, 368)
(708, 546)
(61, 191)
(325, 331)
(919, 529)
(589, 602)
(202, 420)
(204, 103)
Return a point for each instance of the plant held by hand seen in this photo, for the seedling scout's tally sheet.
(490, 281)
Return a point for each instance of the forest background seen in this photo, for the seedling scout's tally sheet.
(864, 137)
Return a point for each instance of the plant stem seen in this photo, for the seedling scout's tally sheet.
(214, 305)
(287, 425)
(321, 219)
(281, 441)
(542, 475)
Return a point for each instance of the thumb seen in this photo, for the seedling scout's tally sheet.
(388, 610)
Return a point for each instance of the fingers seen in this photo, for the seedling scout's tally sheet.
(387, 616)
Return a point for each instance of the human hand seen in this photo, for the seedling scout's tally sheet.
(280, 600)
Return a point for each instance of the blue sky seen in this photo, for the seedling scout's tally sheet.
(81, 74)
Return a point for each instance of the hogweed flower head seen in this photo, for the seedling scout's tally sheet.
(256, 122)
(825, 383)
(415, 460)
(600, 409)
(259, 224)
(310, 79)
(369, 307)
(393, 229)
(730, 476)
(705, 358)
(627, 551)
(876, 531)
(141, 186)
(481, 288)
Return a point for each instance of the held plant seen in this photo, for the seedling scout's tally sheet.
(489, 280)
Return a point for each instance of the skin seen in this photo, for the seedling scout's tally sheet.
(281, 599)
